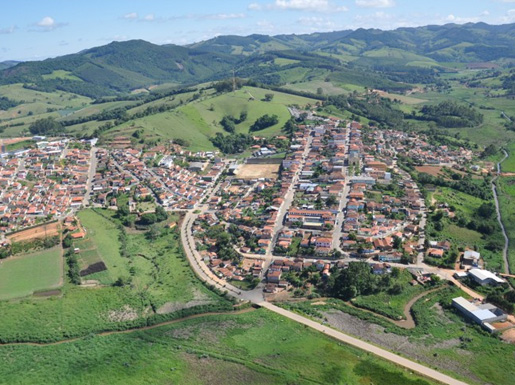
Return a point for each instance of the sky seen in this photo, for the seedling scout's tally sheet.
(38, 29)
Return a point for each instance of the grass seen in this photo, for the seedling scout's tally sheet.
(466, 206)
(442, 336)
(255, 348)
(509, 164)
(104, 236)
(506, 190)
(197, 121)
(23, 275)
(162, 287)
(391, 305)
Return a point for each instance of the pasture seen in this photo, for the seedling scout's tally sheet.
(21, 276)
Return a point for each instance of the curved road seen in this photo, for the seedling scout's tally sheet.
(256, 296)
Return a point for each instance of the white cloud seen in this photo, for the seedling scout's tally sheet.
(225, 16)
(375, 3)
(47, 24)
(318, 23)
(130, 16)
(509, 17)
(8, 30)
(300, 5)
(255, 7)
(149, 17)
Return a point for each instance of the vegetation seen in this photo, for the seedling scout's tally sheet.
(264, 122)
(26, 274)
(450, 114)
(178, 353)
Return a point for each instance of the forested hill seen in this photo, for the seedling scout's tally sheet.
(405, 55)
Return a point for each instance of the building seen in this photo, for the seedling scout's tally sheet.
(485, 277)
(471, 257)
(484, 314)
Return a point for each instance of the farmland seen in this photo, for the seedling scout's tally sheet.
(241, 348)
(21, 276)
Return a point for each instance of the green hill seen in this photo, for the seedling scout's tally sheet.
(197, 121)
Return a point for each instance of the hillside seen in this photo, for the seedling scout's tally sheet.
(404, 55)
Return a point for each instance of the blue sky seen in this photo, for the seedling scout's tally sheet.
(37, 29)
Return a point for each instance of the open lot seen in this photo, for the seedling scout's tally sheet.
(256, 171)
(42, 231)
(21, 276)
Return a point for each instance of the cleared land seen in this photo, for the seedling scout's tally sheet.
(256, 171)
(23, 275)
(43, 231)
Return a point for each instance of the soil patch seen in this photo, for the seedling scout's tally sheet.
(256, 171)
(48, 293)
(43, 231)
(509, 336)
(127, 313)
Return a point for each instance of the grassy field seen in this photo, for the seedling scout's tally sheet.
(506, 189)
(391, 305)
(258, 347)
(197, 121)
(159, 286)
(103, 235)
(466, 206)
(442, 338)
(509, 164)
(21, 276)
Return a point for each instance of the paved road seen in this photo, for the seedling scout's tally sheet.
(91, 174)
(288, 198)
(340, 217)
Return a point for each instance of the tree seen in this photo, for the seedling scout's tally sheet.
(486, 210)
(153, 232)
(148, 219)
(227, 123)
(269, 97)
(67, 241)
(47, 126)
(161, 213)
(263, 122)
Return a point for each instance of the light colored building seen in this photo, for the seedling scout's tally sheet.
(485, 277)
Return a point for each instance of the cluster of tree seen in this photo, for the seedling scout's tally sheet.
(159, 215)
(224, 243)
(489, 151)
(229, 122)
(73, 86)
(73, 267)
(46, 126)
(228, 85)
(377, 109)
(6, 103)
(450, 114)
(263, 122)
(45, 243)
(232, 144)
(466, 185)
(505, 301)
(357, 279)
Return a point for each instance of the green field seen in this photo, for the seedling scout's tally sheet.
(21, 276)
(197, 121)
(258, 347)
(506, 189)
(104, 236)
(159, 286)
(466, 206)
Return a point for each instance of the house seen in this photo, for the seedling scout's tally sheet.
(471, 257)
(485, 277)
(274, 276)
(380, 268)
(436, 253)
